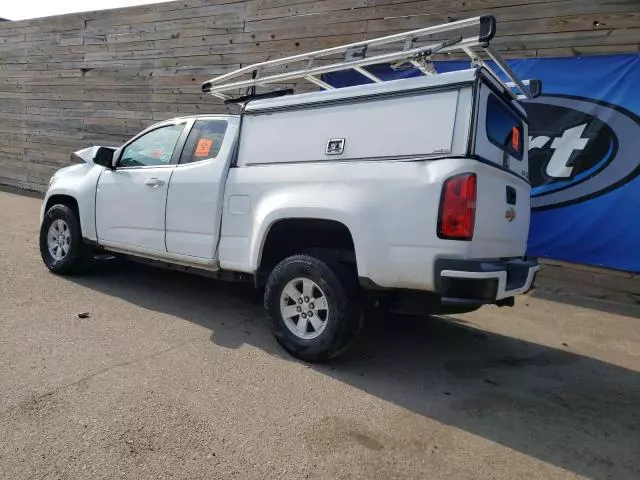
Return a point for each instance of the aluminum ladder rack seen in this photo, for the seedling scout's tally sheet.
(354, 57)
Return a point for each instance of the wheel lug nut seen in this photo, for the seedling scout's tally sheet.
(312, 306)
(310, 313)
(304, 315)
(299, 309)
(306, 299)
(300, 301)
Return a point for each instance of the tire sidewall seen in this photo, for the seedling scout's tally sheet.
(61, 212)
(333, 338)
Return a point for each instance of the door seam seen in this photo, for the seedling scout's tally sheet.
(166, 206)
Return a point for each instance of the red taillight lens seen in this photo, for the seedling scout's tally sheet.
(458, 208)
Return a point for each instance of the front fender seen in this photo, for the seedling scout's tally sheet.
(78, 182)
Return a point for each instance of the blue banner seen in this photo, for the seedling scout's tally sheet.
(584, 155)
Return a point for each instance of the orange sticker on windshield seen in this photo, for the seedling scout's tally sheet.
(157, 153)
(204, 147)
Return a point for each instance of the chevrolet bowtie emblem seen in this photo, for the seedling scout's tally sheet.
(510, 214)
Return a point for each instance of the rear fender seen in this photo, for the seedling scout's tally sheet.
(282, 207)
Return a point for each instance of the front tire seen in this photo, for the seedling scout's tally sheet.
(61, 246)
(313, 307)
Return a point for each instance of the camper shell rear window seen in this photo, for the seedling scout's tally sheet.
(504, 127)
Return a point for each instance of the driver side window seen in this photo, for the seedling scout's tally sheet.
(153, 149)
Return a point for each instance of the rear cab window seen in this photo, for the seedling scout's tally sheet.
(204, 140)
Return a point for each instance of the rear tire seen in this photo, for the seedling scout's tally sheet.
(313, 307)
(61, 246)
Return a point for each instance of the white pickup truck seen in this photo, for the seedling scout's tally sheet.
(414, 191)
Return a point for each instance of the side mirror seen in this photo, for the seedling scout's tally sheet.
(104, 157)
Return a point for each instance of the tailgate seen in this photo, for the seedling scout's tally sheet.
(503, 204)
(502, 215)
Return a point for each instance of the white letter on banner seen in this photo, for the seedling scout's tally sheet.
(564, 147)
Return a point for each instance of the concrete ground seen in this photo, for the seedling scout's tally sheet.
(174, 376)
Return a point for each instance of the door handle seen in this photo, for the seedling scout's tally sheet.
(153, 182)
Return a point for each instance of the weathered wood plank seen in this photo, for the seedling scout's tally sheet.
(219, 21)
(11, 109)
(170, 34)
(629, 36)
(569, 17)
(13, 176)
(87, 104)
(233, 10)
(252, 40)
(457, 9)
(579, 51)
(6, 150)
(413, 7)
(45, 157)
(290, 46)
(12, 39)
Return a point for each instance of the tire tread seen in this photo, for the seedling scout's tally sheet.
(347, 316)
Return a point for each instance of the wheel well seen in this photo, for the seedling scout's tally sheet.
(297, 235)
(70, 202)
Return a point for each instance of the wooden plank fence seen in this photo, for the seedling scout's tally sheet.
(72, 81)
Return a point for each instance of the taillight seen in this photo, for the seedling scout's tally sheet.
(458, 207)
